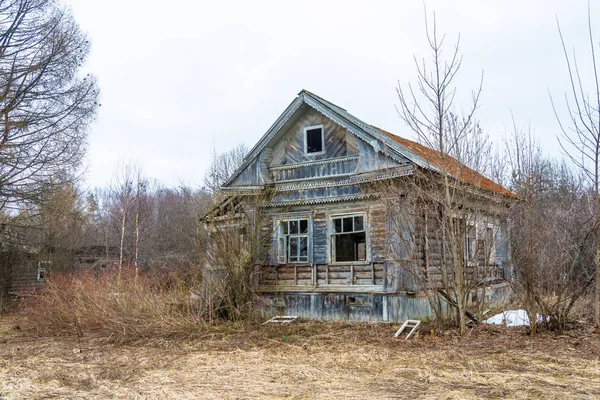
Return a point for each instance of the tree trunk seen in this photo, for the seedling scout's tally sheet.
(597, 288)
(137, 229)
(123, 220)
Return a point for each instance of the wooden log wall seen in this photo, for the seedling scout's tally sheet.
(434, 255)
(371, 274)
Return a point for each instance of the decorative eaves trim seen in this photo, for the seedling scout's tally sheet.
(324, 200)
(346, 182)
(311, 163)
(317, 184)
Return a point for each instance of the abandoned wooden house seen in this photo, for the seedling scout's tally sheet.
(334, 250)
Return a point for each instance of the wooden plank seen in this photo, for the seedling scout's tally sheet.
(373, 273)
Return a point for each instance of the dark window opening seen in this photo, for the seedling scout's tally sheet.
(314, 140)
(349, 239)
(351, 247)
(358, 301)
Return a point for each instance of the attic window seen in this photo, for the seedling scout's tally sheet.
(314, 140)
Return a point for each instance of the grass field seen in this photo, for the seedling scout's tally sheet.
(307, 360)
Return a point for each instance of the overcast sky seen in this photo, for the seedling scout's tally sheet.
(178, 78)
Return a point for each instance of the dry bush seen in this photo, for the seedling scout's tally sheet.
(126, 310)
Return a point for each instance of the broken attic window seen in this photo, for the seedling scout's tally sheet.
(349, 239)
(314, 140)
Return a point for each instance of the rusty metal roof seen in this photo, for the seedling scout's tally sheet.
(450, 165)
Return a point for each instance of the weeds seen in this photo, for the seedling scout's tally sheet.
(125, 309)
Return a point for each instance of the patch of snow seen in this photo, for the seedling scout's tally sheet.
(511, 318)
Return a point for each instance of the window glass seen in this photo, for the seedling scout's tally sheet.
(303, 247)
(293, 242)
(293, 249)
(293, 227)
(489, 236)
(337, 223)
(314, 140)
(490, 243)
(348, 224)
(358, 224)
(303, 226)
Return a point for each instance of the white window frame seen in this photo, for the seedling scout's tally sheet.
(333, 233)
(471, 258)
(283, 241)
(308, 128)
(492, 248)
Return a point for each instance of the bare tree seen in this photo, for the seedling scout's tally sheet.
(449, 212)
(122, 189)
(222, 166)
(141, 185)
(45, 105)
(580, 138)
(238, 238)
(552, 245)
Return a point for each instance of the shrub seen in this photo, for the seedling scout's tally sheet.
(125, 308)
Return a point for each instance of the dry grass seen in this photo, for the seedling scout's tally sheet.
(125, 307)
(307, 360)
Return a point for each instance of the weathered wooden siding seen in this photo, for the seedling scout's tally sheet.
(285, 160)
(321, 271)
(320, 237)
(292, 141)
(371, 160)
(250, 176)
(433, 252)
(24, 277)
(318, 169)
(377, 219)
(323, 193)
(372, 307)
(353, 276)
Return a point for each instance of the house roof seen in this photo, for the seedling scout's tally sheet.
(450, 165)
(395, 147)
